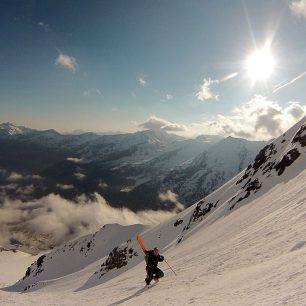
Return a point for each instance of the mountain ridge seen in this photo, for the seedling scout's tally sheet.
(136, 163)
(263, 178)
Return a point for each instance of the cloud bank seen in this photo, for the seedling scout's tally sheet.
(52, 220)
(258, 118)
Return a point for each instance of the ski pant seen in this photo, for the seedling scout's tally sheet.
(154, 272)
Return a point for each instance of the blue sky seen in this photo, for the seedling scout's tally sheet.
(128, 65)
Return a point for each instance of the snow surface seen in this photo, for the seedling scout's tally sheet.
(13, 265)
(245, 244)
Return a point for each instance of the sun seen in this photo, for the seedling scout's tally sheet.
(260, 64)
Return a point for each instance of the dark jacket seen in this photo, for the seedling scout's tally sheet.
(152, 260)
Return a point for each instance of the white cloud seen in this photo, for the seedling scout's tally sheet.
(142, 81)
(75, 159)
(65, 186)
(44, 25)
(205, 92)
(298, 7)
(15, 176)
(26, 190)
(155, 123)
(258, 118)
(92, 91)
(171, 197)
(12, 186)
(102, 185)
(66, 61)
(79, 176)
(167, 98)
(58, 220)
(295, 110)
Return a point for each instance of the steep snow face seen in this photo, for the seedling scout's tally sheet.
(220, 233)
(278, 162)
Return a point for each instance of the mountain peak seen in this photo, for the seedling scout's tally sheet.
(12, 130)
(159, 135)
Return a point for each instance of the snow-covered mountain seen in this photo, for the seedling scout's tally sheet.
(212, 168)
(128, 169)
(244, 244)
(8, 129)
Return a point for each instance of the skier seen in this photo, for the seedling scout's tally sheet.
(152, 258)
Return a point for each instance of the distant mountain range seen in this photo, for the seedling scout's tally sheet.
(130, 170)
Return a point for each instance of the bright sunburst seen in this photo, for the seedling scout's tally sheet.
(260, 65)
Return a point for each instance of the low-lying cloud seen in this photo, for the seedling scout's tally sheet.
(14, 176)
(75, 159)
(259, 118)
(52, 220)
(65, 186)
(171, 197)
(80, 176)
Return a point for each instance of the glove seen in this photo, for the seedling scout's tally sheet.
(162, 258)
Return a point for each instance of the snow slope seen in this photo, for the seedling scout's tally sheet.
(12, 265)
(212, 168)
(245, 244)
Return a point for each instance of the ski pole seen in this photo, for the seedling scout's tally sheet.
(170, 267)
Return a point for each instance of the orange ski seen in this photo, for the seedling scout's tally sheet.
(139, 239)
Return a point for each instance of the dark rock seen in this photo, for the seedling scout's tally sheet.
(287, 160)
(263, 156)
(299, 137)
(178, 222)
(117, 259)
(40, 260)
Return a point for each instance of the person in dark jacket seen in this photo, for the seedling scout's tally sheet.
(152, 258)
